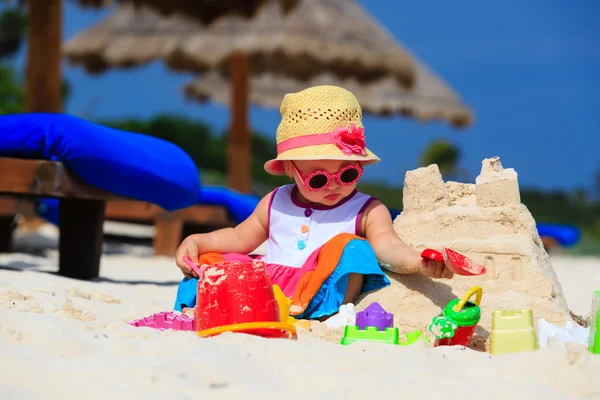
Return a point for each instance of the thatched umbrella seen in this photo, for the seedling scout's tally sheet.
(43, 72)
(316, 37)
(206, 11)
(428, 99)
(310, 37)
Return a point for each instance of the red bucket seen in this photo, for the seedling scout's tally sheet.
(456, 325)
(462, 337)
(237, 296)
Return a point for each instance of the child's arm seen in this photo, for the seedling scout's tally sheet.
(390, 250)
(243, 238)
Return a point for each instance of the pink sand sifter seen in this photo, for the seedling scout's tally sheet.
(166, 320)
(191, 264)
(455, 262)
(169, 319)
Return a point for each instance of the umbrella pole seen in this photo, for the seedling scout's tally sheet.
(43, 84)
(238, 152)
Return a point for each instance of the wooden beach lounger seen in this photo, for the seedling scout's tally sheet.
(83, 210)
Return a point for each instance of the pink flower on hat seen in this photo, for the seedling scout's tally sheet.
(350, 141)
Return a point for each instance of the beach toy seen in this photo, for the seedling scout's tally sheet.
(238, 296)
(414, 337)
(373, 324)
(373, 334)
(595, 324)
(191, 264)
(512, 332)
(455, 262)
(284, 304)
(549, 334)
(345, 316)
(374, 315)
(457, 323)
(166, 320)
(370, 334)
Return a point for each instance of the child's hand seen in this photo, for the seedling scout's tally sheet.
(188, 248)
(431, 268)
(435, 269)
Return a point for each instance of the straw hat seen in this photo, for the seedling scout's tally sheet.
(320, 123)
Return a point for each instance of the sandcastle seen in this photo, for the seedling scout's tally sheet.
(487, 222)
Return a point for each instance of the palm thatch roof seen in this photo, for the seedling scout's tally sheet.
(317, 36)
(429, 98)
(206, 11)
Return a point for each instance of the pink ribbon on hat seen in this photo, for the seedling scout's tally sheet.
(349, 141)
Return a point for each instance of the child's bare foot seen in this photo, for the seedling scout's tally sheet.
(188, 311)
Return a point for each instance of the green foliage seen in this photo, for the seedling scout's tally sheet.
(596, 229)
(12, 96)
(12, 30)
(390, 196)
(444, 154)
(588, 246)
(66, 90)
(559, 207)
(575, 208)
(13, 25)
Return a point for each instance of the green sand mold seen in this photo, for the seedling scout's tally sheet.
(370, 334)
(414, 337)
(595, 324)
(373, 334)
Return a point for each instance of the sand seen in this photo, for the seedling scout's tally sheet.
(69, 339)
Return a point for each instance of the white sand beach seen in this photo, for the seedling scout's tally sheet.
(69, 339)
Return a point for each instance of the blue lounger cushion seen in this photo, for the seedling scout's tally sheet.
(124, 163)
(565, 235)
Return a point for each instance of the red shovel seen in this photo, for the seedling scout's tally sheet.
(455, 262)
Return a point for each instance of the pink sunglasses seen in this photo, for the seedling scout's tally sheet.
(319, 180)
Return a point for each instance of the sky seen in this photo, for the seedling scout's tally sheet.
(530, 70)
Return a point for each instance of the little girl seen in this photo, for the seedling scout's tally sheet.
(321, 147)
